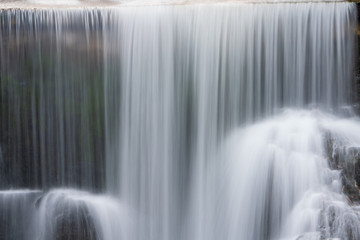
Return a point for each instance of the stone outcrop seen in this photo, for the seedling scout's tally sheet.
(347, 159)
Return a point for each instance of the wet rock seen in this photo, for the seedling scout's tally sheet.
(75, 224)
(340, 221)
(67, 214)
(347, 159)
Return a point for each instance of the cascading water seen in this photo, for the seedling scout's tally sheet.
(293, 185)
(178, 121)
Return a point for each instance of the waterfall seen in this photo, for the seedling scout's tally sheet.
(181, 121)
(293, 184)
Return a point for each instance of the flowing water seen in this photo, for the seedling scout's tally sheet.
(186, 121)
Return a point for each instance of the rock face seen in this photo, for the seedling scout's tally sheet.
(340, 220)
(65, 215)
(75, 224)
(346, 159)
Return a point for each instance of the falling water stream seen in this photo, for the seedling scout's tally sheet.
(187, 121)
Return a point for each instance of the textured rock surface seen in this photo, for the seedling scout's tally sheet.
(346, 159)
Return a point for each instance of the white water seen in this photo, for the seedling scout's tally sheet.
(270, 180)
(200, 73)
(69, 212)
(61, 214)
(186, 102)
(49, 4)
(276, 179)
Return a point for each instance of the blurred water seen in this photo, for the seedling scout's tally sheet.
(71, 214)
(170, 121)
(293, 193)
(16, 211)
(29, 4)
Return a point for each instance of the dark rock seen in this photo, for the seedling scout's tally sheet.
(346, 159)
(75, 224)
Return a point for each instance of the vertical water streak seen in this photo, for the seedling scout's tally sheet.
(144, 104)
(52, 102)
(186, 76)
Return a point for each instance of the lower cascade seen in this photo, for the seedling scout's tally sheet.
(179, 121)
(294, 193)
(269, 180)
